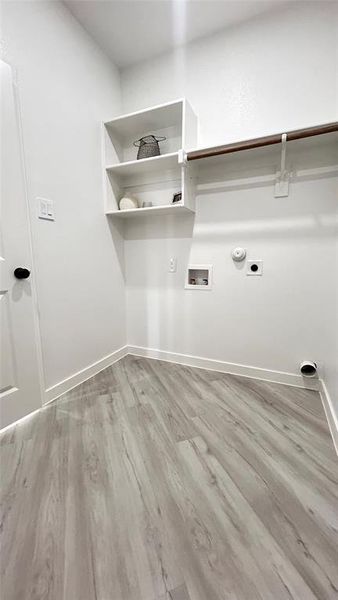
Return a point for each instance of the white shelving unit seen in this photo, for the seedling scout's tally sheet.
(154, 179)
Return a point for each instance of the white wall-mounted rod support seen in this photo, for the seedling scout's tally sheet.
(283, 176)
(182, 157)
(283, 156)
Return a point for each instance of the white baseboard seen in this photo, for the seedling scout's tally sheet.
(225, 367)
(203, 363)
(184, 359)
(70, 382)
(331, 416)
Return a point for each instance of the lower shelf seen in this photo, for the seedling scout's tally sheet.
(170, 209)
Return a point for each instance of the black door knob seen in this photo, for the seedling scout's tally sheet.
(21, 273)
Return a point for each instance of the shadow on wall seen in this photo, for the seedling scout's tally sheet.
(160, 227)
(235, 196)
(150, 242)
(290, 227)
(116, 229)
(255, 214)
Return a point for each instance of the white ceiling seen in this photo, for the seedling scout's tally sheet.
(130, 31)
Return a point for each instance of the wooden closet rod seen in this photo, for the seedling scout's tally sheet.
(268, 140)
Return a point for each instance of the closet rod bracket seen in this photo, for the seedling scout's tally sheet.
(182, 157)
(282, 176)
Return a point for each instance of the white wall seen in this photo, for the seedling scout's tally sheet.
(67, 87)
(270, 322)
(275, 73)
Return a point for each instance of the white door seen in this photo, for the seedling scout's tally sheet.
(19, 368)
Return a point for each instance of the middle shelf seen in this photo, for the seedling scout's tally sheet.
(143, 170)
(171, 209)
(155, 180)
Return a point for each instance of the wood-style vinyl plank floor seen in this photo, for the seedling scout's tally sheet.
(157, 481)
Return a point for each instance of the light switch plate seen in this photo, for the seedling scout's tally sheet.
(45, 209)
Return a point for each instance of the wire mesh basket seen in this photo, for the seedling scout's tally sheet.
(148, 146)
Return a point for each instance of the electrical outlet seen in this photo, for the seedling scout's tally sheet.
(172, 265)
(254, 267)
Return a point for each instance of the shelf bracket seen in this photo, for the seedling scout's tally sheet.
(182, 157)
(282, 176)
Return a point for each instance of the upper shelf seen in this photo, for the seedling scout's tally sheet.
(175, 121)
(145, 121)
(145, 167)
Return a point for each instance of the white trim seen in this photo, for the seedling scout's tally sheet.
(145, 110)
(330, 413)
(70, 382)
(202, 363)
(225, 367)
(35, 302)
(184, 130)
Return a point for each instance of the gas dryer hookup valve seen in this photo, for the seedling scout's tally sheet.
(238, 254)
